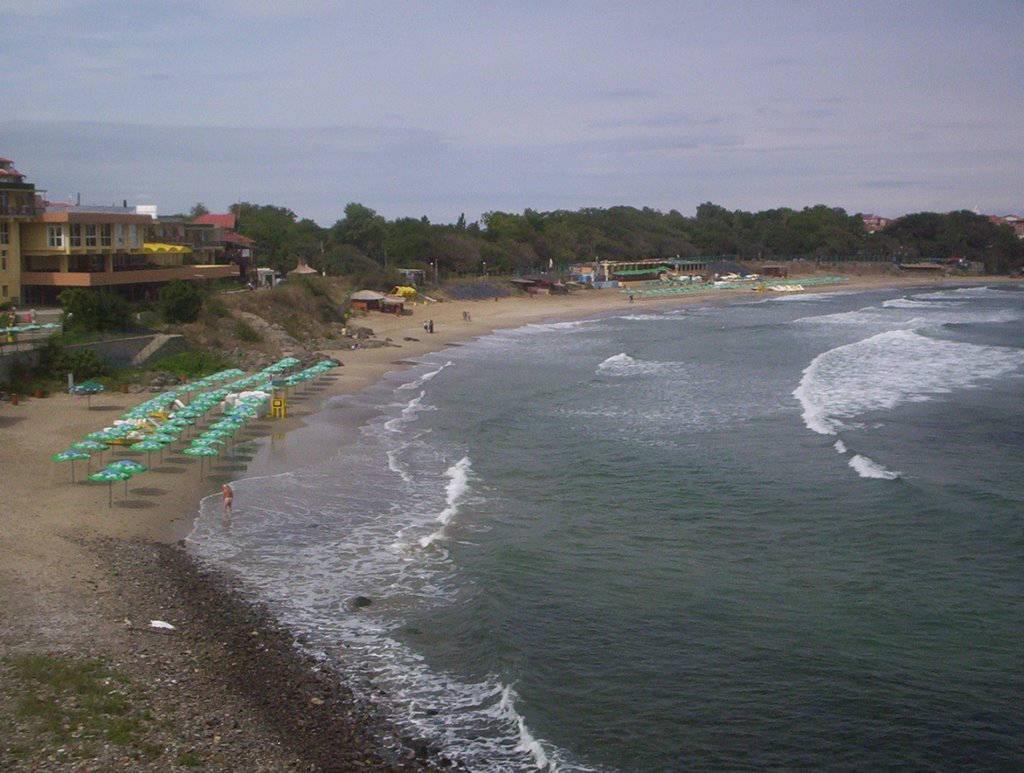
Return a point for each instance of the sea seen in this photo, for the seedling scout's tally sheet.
(768, 533)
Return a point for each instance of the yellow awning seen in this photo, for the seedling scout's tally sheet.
(151, 248)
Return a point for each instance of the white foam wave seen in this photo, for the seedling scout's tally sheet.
(416, 383)
(456, 489)
(917, 303)
(408, 413)
(885, 370)
(869, 468)
(840, 446)
(527, 742)
(964, 292)
(650, 317)
(623, 365)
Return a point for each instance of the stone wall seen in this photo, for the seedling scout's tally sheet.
(117, 353)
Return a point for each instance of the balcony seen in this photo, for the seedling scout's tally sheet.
(146, 274)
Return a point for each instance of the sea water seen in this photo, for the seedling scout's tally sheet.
(781, 533)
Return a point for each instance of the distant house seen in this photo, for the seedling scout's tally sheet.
(1014, 221)
(233, 247)
(874, 223)
(371, 300)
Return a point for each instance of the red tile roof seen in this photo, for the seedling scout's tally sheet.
(224, 221)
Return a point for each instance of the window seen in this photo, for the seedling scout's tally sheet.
(90, 236)
(5, 234)
(119, 235)
(3, 260)
(55, 236)
(76, 235)
(105, 235)
(133, 235)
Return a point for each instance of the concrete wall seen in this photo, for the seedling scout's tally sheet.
(117, 353)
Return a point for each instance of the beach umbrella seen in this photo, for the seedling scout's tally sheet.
(129, 466)
(88, 388)
(229, 423)
(216, 434)
(90, 446)
(201, 451)
(70, 456)
(108, 476)
(149, 446)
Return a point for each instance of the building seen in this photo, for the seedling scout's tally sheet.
(19, 203)
(232, 247)
(874, 223)
(1014, 221)
(46, 247)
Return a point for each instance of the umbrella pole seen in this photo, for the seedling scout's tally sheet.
(110, 494)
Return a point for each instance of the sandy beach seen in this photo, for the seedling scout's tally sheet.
(82, 578)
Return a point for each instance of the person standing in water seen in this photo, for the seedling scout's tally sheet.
(228, 497)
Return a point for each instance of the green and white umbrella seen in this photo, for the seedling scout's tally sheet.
(201, 451)
(92, 446)
(70, 456)
(108, 476)
(127, 465)
(149, 446)
(88, 388)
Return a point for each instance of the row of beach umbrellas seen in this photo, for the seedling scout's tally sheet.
(161, 420)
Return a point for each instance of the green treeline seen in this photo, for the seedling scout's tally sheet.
(367, 247)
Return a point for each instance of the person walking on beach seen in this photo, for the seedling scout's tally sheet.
(431, 326)
(228, 498)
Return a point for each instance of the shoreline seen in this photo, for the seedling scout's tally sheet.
(70, 592)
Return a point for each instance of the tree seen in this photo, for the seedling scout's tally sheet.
(180, 302)
(269, 227)
(362, 228)
(94, 310)
(198, 210)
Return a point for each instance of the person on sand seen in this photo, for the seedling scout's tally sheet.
(228, 499)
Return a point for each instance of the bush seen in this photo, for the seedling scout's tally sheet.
(180, 302)
(55, 362)
(194, 363)
(94, 310)
(216, 307)
(245, 332)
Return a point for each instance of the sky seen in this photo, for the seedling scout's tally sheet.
(440, 109)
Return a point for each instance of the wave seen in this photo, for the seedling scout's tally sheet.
(456, 490)
(424, 378)
(913, 313)
(623, 365)
(869, 468)
(407, 414)
(917, 303)
(964, 292)
(891, 368)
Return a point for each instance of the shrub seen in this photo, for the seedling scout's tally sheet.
(180, 302)
(216, 307)
(94, 310)
(193, 363)
(55, 362)
(245, 332)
